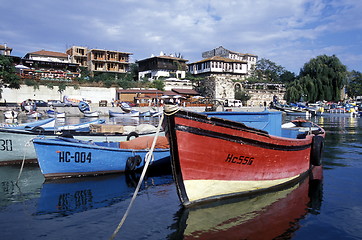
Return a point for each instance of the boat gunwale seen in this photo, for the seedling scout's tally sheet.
(88, 145)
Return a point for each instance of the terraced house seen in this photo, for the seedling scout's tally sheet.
(99, 60)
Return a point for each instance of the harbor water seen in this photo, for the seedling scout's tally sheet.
(92, 207)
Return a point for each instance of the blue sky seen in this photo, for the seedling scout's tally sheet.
(287, 32)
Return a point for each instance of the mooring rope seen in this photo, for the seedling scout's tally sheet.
(147, 161)
(171, 109)
(27, 144)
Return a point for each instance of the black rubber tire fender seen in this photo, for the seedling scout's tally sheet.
(38, 130)
(133, 162)
(132, 134)
(316, 151)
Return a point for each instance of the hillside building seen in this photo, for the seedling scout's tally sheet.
(162, 66)
(5, 50)
(224, 73)
(249, 59)
(48, 66)
(99, 60)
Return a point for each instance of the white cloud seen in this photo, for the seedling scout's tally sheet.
(288, 32)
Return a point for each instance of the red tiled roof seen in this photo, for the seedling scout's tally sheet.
(140, 91)
(49, 54)
(185, 91)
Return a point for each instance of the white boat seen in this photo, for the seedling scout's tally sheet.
(11, 114)
(132, 113)
(34, 114)
(53, 114)
(125, 107)
(49, 122)
(91, 114)
(150, 113)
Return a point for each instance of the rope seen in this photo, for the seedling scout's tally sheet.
(147, 161)
(27, 144)
(171, 109)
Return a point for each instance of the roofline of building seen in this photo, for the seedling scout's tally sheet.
(164, 57)
(220, 59)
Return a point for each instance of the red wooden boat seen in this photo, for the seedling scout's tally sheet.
(213, 157)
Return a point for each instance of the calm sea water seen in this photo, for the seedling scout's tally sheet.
(91, 208)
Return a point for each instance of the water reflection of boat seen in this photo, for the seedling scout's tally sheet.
(268, 216)
(28, 186)
(69, 196)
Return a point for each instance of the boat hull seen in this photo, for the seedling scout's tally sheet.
(16, 145)
(124, 114)
(58, 158)
(54, 114)
(11, 114)
(90, 114)
(265, 216)
(218, 158)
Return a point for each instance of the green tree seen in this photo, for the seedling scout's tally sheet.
(8, 78)
(134, 70)
(267, 71)
(242, 96)
(85, 75)
(287, 77)
(126, 81)
(354, 85)
(325, 76)
(158, 84)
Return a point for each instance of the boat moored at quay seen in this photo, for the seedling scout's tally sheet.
(68, 157)
(214, 158)
(16, 145)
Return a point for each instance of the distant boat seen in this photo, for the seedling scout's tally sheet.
(91, 114)
(34, 114)
(11, 114)
(53, 114)
(28, 105)
(150, 113)
(125, 107)
(337, 112)
(49, 122)
(132, 113)
(214, 158)
(67, 157)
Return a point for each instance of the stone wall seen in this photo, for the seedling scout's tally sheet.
(94, 94)
(222, 87)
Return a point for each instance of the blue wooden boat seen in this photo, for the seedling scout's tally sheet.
(53, 114)
(15, 141)
(49, 122)
(68, 157)
(132, 113)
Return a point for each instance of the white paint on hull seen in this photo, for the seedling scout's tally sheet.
(200, 189)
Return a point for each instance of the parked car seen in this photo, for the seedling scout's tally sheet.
(40, 103)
